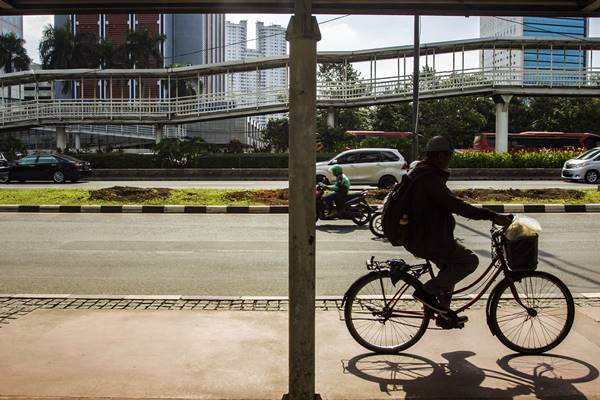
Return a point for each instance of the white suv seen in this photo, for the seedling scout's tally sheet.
(377, 167)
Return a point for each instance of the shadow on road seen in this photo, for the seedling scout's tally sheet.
(544, 376)
(324, 227)
(47, 182)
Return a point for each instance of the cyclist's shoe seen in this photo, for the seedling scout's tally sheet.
(451, 321)
(396, 271)
(429, 300)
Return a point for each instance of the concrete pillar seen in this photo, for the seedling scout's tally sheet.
(331, 117)
(77, 141)
(61, 138)
(303, 34)
(502, 104)
(158, 133)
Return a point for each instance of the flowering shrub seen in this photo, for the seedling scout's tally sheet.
(543, 158)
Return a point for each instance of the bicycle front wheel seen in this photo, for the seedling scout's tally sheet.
(382, 317)
(545, 320)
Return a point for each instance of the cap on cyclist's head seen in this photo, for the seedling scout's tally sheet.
(337, 170)
(438, 144)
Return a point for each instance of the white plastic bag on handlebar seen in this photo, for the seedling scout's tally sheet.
(523, 227)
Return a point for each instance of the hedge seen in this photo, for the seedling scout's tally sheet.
(144, 161)
(519, 159)
(471, 159)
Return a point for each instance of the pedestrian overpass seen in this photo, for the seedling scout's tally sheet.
(452, 79)
(303, 34)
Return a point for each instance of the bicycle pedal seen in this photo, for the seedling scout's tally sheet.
(447, 324)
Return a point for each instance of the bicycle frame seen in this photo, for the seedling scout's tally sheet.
(497, 266)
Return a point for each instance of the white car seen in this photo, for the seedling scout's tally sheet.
(377, 167)
(585, 167)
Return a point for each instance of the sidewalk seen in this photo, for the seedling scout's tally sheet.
(212, 354)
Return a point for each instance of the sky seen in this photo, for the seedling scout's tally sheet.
(348, 33)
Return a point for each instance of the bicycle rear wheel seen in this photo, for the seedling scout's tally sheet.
(546, 320)
(382, 317)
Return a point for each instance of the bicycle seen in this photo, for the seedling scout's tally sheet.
(529, 311)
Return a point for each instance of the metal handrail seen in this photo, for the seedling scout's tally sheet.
(358, 92)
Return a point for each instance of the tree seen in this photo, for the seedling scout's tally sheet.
(10, 146)
(348, 79)
(56, 47)
(332, 140)
(111, 54)
(13, 56)
(60, 48)
(276, 134)
(392, 117)
(234, 146)
(564, 114)
(180, 153)
(143, 49)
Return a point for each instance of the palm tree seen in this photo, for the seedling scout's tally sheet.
(111, 54)
(143, 49)
(13, 56)
(56, 47)
(60, 48)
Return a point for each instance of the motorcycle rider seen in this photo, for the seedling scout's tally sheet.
(340, 191)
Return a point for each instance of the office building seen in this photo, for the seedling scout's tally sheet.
(539, 60)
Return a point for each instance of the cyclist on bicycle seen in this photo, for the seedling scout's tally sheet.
(339, 189)
(431, 236)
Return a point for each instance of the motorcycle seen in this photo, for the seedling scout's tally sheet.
(355, 208)
(375, 223)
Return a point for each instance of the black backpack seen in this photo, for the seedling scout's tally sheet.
(395, 218)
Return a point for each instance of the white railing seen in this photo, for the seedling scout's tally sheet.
(219, 105)
(139, 131)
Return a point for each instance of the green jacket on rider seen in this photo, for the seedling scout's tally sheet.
(342, 184)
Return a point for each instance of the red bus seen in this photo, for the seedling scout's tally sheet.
(538, 140)
(380, 134)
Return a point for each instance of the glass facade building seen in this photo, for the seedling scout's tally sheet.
(536, 63)
(555, 27)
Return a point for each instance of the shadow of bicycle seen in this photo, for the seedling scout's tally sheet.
(545, 376)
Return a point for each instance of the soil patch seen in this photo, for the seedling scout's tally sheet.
(127, 194)
(482, 195)
(269, 197)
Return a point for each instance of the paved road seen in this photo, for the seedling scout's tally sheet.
(516, 184)
(231, 254)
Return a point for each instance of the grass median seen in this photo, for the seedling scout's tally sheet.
(120, 195)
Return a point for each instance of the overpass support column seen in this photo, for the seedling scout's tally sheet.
(77, 141)
(502, 103)
(303, 34)
(158, 133)
(61, 138)
(331, 117)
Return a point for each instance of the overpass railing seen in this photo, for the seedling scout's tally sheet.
(337, 94)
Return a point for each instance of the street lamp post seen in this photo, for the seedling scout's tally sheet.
(415, 105)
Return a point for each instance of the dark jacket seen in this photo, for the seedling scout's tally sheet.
(431, 226)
